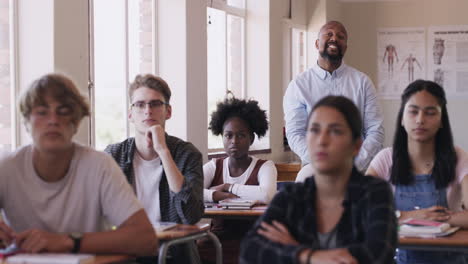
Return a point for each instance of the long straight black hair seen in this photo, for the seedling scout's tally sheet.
(445, 161)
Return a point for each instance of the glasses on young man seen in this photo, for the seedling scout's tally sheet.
(154, 104)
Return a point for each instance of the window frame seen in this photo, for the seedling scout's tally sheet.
(127, 78)
(232, 10)
(294, 71)
(242, 13)
(288, 52)
(15, 117)
(288, 70)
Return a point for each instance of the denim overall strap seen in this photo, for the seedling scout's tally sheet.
(422, 194)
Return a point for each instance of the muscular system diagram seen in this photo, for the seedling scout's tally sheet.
(411, 61)
(391, 54)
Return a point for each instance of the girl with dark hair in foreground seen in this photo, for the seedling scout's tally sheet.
(336, 216)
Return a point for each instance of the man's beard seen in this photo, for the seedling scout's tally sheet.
(333, 58)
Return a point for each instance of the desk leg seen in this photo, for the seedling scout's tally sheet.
(163, 247)
(219, 249)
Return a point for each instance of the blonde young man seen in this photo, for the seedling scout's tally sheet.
(165, 171)
(55, 193)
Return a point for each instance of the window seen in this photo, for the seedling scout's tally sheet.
(295, 53)
(298, 52)
(295, 57)
(7, 105)
(123, 47)
(225, 30)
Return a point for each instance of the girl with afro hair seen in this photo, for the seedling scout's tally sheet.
(239, 175)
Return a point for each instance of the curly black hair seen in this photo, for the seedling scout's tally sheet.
(249, 111)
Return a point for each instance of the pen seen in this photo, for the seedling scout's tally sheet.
(9, 250)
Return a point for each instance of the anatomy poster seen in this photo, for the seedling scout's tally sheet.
(447, 53)
(401, 59)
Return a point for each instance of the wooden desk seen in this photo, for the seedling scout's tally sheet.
(457, 242)
(107, 259)
(253, 213)
(183, 234)
(177, 235)
(287, 171)
(181, 230)
(100, 259)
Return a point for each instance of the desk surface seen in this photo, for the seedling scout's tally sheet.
(455, 242)
(182, 231)
(177, 231)
(180, 234)
(105, 259)
(99, 259)
(255, 212)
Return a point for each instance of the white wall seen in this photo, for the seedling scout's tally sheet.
(265, 65)
(182, 62)
(59, 31)
(362, 45)
(53, 37)
(363, 18)
(275, 67)
(35, 40)
(71, 49)
(49, 41)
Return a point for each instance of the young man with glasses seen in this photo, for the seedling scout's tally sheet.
(164, 171)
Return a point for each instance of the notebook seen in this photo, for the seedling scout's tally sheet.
(9, 250)
(428, 235)
(425, 228)
(237, 203)
(50, 258)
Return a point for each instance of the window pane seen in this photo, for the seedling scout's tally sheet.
(235, 58)
(236, 3)
(117, 62)
(225, 62)
(298, 53)
(5, 77)
(140, 37)
(140, 40)
(110, 72)
(216, 33)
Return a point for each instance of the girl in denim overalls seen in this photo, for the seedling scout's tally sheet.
(424, 167)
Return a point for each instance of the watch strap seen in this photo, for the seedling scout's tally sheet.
(76, 237)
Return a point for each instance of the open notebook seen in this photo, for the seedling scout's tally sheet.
(50, 258)
(237, 203)
(425, 228)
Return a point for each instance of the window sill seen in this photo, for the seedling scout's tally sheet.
(222, 154)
